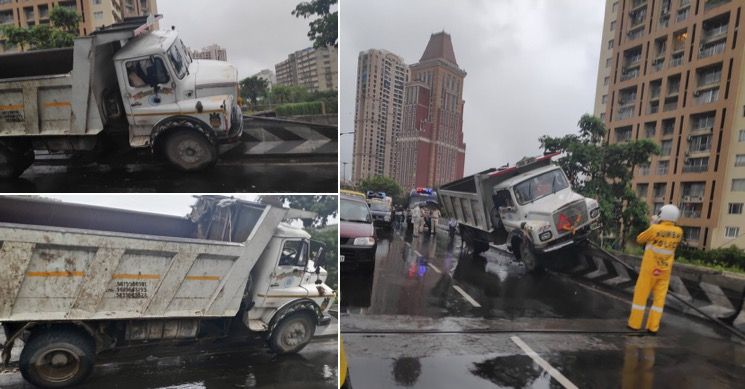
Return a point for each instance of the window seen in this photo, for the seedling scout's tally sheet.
(666, 147)
(738, 185)
(294, 253)
(644, 169)
(610, 44)
(177, 61)
(96, 2)
(604, 99)
(608, 62)
(144, 72)
(735, 208)
(741, 137)
(641, 190)
(662, 167)
(731, 232)
(540, 186)
(691, 233)
(613, 25)
(606, 81)
(98, 15)
(740, 160)
(614, 7)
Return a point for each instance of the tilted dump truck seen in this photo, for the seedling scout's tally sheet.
(76, 280)
(121, 87)
(529, 207)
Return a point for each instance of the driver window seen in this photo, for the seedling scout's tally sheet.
(146, 72)
(294, 253)
(503, 199)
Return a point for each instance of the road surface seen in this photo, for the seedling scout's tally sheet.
(430, 317)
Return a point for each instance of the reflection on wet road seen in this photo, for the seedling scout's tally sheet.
(432, 318)
(227, 367)
(140, 172)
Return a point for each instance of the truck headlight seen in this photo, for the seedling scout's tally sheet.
(545, 236)
(366, 241)
(594, 213)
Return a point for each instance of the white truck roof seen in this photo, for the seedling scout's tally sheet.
(286, 230)
(155, 42)
(521, 177)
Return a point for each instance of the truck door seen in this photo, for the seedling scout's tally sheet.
(287, 277)
(504, 211)
(150, 89)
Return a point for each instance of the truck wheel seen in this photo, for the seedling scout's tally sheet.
(57, 358)
(293, 333)
(189, 150)
(14, 161)
(530, 258)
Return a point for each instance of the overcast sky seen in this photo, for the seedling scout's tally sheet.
(256, 33)
(532, 65)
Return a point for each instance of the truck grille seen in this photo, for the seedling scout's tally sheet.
(570, 217)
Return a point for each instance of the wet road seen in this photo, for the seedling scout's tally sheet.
(214, 367)
(431, 318)
(140, 172)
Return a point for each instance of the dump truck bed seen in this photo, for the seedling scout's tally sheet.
(72, 262)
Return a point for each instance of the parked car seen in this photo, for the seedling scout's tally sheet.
(356, 234)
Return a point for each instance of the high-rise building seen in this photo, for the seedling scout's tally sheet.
(267, 75)
(678, 79)
(381, 77)
(607, 44)
(213, 52)
(315, 69)
(431, 149)
(94, 13)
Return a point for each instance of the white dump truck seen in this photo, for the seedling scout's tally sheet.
(529, 207)
(76, 280)
(121, 87)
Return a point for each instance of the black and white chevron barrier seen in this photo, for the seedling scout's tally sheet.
(272, 136)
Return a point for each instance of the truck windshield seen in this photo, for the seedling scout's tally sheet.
(177, 60)
(540, 186)
(354, 211)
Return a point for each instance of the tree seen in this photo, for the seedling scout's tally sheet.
(61, 33)
(330, 237)
(284, 94)
(604, 172)
(323, 30)
(325, 206)
(252, 88)
(381, 184)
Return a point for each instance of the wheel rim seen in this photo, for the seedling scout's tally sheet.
(191, 151)
(58, 365)
(295, 334)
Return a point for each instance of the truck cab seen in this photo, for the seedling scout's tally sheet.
(166, 93)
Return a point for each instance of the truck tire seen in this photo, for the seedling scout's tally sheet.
(14, 160)
(57, 357)
(189, 150)
(293, 333)
(531, 260)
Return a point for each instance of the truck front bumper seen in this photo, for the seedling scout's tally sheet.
(568, 239)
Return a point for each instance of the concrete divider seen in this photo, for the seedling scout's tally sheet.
(717, 293)
(271, 136)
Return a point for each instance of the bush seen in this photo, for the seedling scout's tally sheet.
(730, 257)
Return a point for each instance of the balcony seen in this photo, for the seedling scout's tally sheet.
(654, 107)
(691, 213)
(635, 34)
(694, 198)
(707, 97)
(715, 33)
(711, 50)
(695, 168)
(682, 15)
(676, 61)
(625, 113)
(709, 4)
(670, 106)
(628, 75)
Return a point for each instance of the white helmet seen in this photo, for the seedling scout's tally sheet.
(669, 213)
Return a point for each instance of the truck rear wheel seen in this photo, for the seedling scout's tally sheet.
(293, 333)
(14, 160)
(57, 357)
(189, 150)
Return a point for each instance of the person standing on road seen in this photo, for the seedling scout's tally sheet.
(416, 216)
(435, 220)
(661, 240)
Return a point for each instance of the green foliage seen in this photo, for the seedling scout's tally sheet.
(285, 94)
(604, 172)
(330, 237)
(311, 108)
(323, 30)
(62, 33)
(325, 206)
(729, 258)
(252, 88)
(381, 184)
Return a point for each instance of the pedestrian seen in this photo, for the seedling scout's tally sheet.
(416, 216)
(435, 220)
(661, 240)
(424, 219)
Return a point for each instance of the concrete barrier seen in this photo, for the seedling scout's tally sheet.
(271, 136)
(717, 293)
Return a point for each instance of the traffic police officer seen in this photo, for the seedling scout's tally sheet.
(661, 240)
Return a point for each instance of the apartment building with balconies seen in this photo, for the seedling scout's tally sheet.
(678, 78)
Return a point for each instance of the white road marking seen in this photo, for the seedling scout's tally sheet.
(418, 254)
(466, 296)
(434, 268)
(542, 362)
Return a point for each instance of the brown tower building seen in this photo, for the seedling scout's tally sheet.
(678, 79)
(431, 149)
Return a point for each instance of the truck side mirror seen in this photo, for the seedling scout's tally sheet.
(319, 259)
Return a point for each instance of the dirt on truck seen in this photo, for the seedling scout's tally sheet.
(77, 280)
(530, 207)
(122, 87)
